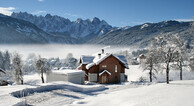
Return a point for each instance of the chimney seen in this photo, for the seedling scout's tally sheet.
(102, 51)
(99, 55)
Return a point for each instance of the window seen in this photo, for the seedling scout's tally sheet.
(116, 68)
(104, 66)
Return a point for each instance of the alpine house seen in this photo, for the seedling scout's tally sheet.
(104, 68)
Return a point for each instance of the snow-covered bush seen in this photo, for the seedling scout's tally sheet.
(17, 66)
(69, 62)
(142, 79)
(29, 64)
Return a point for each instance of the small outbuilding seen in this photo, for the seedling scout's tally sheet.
(74, 76)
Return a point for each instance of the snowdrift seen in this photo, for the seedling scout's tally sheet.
(57, 85)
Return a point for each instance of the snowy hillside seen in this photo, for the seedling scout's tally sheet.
(142, 35)
(16, 31)
(62, 26)
(19, 31)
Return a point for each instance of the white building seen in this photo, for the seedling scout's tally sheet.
(74, 76)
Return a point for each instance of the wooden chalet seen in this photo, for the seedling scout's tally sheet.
(104, 68)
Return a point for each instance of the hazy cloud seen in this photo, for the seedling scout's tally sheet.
(7, 10)
(140, 22)
(184, 20)
(38, 12)
(40, 0)
(72, 15)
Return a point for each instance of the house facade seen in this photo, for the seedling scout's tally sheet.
(104, 68)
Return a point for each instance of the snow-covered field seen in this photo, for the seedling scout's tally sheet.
(178, 93)
(131, 93)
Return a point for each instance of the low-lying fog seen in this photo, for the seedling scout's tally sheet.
(55, 50)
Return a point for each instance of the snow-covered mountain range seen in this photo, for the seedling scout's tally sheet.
(142, 35)
(23, 27)
(84, 29)
(16, 31)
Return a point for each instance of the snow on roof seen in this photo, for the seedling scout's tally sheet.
(104, 72)
(90, 65)
(67, 72)
(1, 70)
(87, 59)
(98, 60)
(122, 59)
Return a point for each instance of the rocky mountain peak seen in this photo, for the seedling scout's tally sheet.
(95, 20)
(79, 20)
(48, 16)
(56, 24)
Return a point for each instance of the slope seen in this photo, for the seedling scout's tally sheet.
(16, 31)
(141, 35)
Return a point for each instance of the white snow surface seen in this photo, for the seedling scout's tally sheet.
(67, 72)
(104, 72)
(132, 93)
(144, 26)
(11, 95)
(177, 93)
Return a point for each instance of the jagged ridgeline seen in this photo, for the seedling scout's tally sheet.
(25, 28)
(83, 30)
(17, 31)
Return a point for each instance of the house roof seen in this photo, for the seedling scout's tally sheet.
(1, 70)
(122, 59)
(104, 72)
(87, 59)
(95, 60)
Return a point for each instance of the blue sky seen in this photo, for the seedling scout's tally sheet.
(115, 12)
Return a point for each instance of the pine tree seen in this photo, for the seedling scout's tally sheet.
(7, 60)
(2, 61)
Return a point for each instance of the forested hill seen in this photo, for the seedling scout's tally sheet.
(142, 35)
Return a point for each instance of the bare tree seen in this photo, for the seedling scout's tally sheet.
(43, 66)
(180, 55)
(191, 60)
(167, 50)
(17, 65)
(151, 63)
(191, 63)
